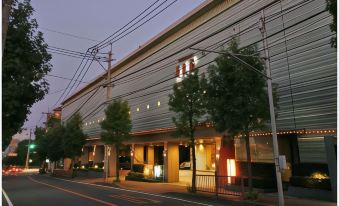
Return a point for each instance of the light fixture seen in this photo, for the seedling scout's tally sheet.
(158, 103)
(201, 147)
(148, 106)
(98, 120)
(95, 166)
(217, 156)
(137, 109)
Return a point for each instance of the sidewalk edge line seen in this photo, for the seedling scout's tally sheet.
(135, 191)
(7, 198)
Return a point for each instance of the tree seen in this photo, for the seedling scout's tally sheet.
(42, 144)
(24, 66)
(238, 101)
(332, 8)
(116, 127)
(188, 102)
(54, 136)
(74, 139)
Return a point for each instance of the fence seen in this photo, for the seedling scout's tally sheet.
(228, 185)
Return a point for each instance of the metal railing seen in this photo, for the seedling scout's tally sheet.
(227, 185)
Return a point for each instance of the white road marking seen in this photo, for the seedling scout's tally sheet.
(139, 192)
(7, 198)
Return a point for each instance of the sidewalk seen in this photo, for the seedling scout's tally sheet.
(267, 199)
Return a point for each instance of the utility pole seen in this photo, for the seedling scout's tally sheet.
(29, 143)
(272, 113)
(108, 97)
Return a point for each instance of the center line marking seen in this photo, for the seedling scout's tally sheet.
(74, 193)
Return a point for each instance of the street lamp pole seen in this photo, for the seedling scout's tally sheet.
(272, 113)
(29, 143)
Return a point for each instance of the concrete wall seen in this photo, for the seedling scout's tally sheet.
(84, 156)
(99, 154)
(150, 155)
(138, 157)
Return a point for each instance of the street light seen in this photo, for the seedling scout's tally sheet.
(32, 146)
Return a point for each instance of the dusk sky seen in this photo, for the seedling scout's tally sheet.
(94, 20)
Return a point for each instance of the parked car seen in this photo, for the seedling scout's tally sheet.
(185, 165)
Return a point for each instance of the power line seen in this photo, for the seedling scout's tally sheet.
(68, 34)
(180, 50)
(186, 47)
(60, 77)
(76, 71)
(111, 41)
(92, 59)
(125, 24)
(72, 53)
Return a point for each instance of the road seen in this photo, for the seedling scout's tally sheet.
(44, 190)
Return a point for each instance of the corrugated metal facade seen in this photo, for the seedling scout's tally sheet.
(302, 61)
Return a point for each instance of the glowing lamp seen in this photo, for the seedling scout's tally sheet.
(157, 171)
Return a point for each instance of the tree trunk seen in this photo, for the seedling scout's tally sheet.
(194, 165)
(249, 166)
(117, 162)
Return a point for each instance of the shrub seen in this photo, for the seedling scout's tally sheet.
(251, 195)
(96, 169)
(139, 168)
(135, 175)
(309, 182)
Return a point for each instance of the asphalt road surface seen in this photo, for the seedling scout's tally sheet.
(38, 190)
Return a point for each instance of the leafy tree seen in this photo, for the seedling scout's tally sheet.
(188, 102)
(20, 159)
(54, 137)
(238, 101)
(42, 144)
(73, 139)
(25, 63)
(116, 127)
(332, 8)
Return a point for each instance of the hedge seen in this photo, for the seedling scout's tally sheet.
(308, 182)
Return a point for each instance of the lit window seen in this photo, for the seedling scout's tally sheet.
(98, 120)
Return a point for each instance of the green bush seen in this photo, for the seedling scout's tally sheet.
(308, 182)
(139, 168)
(251, 196)
(96, 169)
(137, 176)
